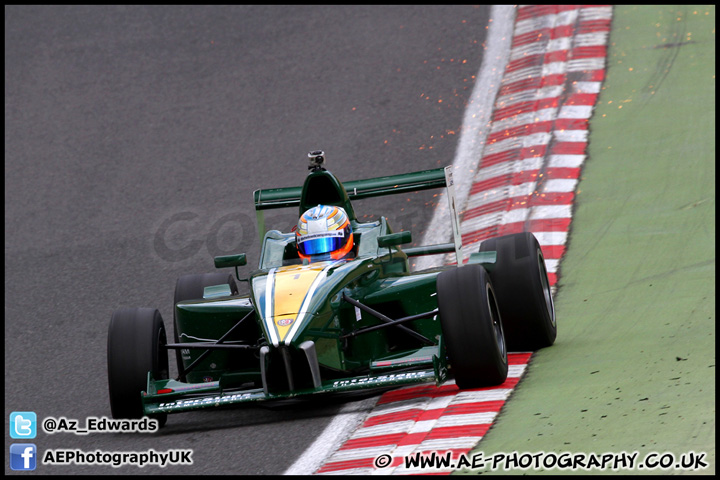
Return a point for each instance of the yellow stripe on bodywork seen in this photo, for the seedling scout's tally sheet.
(291, 286)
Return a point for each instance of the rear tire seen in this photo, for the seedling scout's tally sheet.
(136, 346)
(523, 291)
(192, 287)
(471, 326)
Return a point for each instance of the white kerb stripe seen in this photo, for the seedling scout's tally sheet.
(561, 185)
(575, 111)
(566, 161)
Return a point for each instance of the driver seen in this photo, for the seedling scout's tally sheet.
(324, 233)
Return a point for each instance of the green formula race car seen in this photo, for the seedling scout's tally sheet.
(334, 307)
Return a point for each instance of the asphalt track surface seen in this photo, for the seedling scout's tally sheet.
(134, 137)
(633, 367)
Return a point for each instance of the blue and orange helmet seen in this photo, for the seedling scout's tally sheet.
(324, 232)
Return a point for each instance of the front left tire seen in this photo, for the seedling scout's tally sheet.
(471, 326)
(136, 346)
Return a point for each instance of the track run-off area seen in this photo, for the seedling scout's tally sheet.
(601, 142)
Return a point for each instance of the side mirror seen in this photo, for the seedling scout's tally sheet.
(237, 260)
(394, 239)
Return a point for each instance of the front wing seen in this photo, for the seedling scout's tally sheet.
(183, 397)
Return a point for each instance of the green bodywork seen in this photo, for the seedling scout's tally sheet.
(331, 345)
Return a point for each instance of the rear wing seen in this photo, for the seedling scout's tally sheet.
(357, 189)
(273, 198)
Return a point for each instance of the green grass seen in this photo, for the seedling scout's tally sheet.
(633, 368)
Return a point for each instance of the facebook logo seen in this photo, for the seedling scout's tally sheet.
(23, 425)
(22, 456)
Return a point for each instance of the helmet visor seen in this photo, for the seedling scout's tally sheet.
(318, 243)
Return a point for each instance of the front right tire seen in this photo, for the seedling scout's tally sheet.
(523, 291)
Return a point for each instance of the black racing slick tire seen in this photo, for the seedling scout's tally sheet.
(472, 327)
(523, 291)
(192, 287)
(136, 346)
